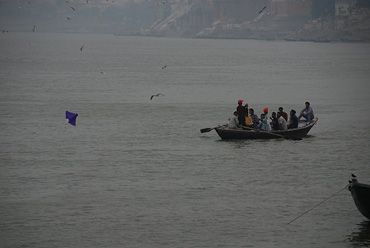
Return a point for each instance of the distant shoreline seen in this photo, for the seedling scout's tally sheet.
(342, 40)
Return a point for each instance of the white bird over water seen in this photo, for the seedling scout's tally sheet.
(159, 94)
(102, 72)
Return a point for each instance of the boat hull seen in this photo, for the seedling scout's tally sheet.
(300, 132)
(361, 196)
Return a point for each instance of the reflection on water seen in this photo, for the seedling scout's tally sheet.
(361, 237)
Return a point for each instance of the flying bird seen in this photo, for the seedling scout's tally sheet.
(73, 8)
(34, 28)
(102, 72)
(68, 18)
(164, 66)
(82, 47)
(262, 10)
(159, 94)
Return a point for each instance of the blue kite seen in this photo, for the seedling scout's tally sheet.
(71, 117)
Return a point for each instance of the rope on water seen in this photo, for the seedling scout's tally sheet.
(317, 205)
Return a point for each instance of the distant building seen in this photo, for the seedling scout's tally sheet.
(236, 11)
(344, 7)
(291, 7)
(323, 8)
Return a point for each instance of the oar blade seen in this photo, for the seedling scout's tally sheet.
(206, 130)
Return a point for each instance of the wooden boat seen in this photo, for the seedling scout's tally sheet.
(296, 133)
(361, 196)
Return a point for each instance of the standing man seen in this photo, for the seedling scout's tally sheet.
(307, 113)
(242, 112)
(283, 114)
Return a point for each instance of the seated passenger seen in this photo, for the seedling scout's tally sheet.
(307, 113)
(248, 121)
(266, 112)
(263, 124)
(254, 117)
(293, 120)
(282, 122)
(233, 121)
(274, 121)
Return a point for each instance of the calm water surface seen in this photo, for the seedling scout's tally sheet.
(138, 173)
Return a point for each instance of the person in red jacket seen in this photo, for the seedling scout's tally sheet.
(242, 112)
(283, 114)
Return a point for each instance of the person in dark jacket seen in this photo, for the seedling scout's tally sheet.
(293, 120)
(274, 121)
(242, 112)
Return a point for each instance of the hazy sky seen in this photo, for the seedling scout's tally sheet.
(68, 15)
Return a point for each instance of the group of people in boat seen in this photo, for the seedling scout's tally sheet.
(245, 117)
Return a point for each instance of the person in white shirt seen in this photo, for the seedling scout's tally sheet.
(233, 121)
(282, 122)
(266, 112)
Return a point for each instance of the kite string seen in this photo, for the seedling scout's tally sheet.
(317, 205)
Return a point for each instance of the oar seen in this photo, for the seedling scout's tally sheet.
(278, 135)
(206, 130)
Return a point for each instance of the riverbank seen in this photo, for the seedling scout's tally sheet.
(354, 28)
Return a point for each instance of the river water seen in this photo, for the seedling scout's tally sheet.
(136, 172)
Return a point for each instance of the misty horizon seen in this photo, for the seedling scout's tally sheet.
(311, 20)
(83, 16)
